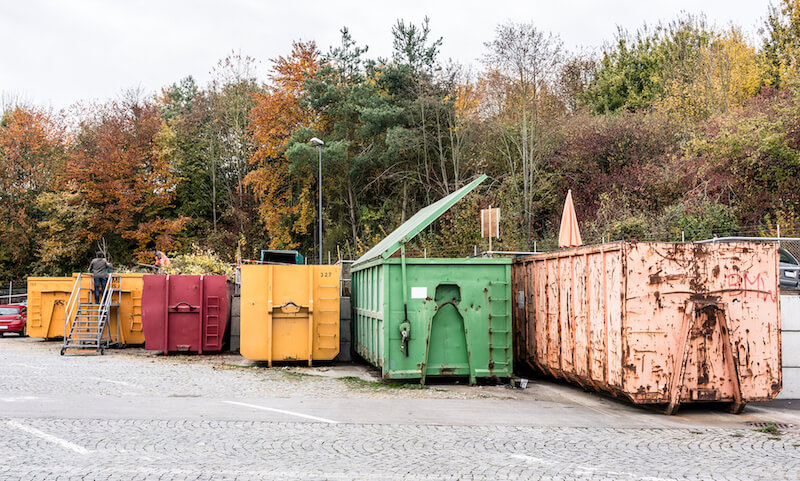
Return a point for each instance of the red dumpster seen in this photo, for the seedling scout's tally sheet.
(184, 312)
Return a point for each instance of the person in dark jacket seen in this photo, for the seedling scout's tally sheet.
(99, 267)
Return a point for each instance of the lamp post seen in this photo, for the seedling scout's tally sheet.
(318, 143)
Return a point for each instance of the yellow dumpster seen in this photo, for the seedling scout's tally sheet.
(48, 296)
(130, 309)
(289, 312)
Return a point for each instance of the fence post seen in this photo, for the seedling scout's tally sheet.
(683, 239)
(779, 234)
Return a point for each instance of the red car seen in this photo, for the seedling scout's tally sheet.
(12, 319)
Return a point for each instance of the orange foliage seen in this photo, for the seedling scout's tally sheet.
(31, 159)
(31, 144)
(285, 202)
(121, 170)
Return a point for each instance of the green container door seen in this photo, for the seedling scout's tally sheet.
(419, 318)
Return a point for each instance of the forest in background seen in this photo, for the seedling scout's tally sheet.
(682, 128)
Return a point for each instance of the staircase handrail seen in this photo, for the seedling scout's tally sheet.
(74, 298)
(105, 304)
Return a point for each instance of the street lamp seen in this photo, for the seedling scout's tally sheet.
(318, 143)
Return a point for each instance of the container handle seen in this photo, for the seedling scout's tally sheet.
(183, 305)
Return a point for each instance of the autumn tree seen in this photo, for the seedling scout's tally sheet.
(118, 163)
(683, 67)
(63, 231)
(522, 63)
(285, 196)
(781, 43)
(32, 156)
(344, 99)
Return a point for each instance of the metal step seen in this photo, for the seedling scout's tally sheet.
(89, 327)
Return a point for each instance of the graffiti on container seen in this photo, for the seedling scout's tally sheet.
(740, 284)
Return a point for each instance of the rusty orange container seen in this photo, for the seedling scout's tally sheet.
(654, 323)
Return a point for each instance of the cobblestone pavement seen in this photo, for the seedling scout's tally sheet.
(123, 449)
(127, 447)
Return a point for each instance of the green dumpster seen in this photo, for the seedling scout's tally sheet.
(281, 257)
(419, 318)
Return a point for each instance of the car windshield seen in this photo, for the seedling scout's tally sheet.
(786, 257)
(9, 311)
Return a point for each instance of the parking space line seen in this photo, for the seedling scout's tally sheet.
(18, 399)
(112, 381)
(39, 368)
(49, 437)
(282, 411)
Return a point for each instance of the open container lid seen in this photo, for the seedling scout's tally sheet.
(413, 226)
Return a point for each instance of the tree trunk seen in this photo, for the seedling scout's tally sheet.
(352, 203)
(405, 202)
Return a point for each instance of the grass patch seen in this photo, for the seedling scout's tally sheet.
(357, 382)
(770, 429)
(237, 366)
(297, 374)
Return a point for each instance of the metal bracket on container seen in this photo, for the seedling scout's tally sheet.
(290, 308)
(405, 335)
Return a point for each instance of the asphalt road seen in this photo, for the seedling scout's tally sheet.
(133, 415)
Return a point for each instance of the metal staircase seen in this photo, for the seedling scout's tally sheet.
(89, 329)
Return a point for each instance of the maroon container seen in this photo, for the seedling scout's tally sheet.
(184, 313)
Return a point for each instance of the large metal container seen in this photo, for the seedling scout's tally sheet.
(289, 312)
(790, 345)
(281, 257)
(130, 309)
(47, 299)
(48, 296)
(186, 313)
(655, 323)
(419, 318)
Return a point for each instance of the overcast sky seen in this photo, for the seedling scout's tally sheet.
(60, 51)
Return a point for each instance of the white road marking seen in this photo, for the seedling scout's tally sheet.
(116, 382)
(18, 398)
(28, 366)
(49, 437)
(282, 411)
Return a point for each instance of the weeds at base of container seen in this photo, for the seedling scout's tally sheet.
(770, 429)
(297, 374)
(235, 366)
(357, 382)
